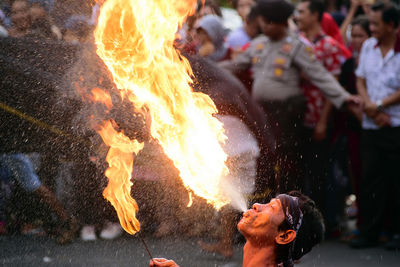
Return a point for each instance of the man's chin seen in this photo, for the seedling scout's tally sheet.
(242, 225)
(241, 229)
(300, 27)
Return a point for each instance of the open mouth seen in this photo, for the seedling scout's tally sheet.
(246, 216)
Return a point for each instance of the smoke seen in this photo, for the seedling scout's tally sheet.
(243, 151)
(237, 198)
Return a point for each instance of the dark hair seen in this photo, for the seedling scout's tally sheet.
(235, 3)
(316, 6)
(253, 14)
(311, 231)
(276, 11)
(390, 13)
(363, 22)
(212, 4)
(79, 25)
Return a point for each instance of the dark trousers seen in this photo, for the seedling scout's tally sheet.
(380, 183)
(286, 120)
(316, 159)
(89, 205)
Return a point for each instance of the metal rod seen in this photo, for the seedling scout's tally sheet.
(145, 245)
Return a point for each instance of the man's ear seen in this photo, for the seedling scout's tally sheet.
(285, 237)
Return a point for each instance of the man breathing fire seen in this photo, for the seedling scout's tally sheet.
(276, 233)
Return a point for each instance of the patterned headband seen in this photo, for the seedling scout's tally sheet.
(292, 211)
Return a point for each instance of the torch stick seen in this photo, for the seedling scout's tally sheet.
(145, 245)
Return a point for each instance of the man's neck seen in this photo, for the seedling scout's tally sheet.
(259, 255)
(313, 32)
(388, 41)
(279, 37)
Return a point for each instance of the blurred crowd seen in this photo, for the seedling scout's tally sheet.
(307, 91)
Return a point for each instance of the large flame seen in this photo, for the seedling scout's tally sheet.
(135, 40)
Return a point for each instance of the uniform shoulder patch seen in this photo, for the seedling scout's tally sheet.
(287, 48)
(255, 60)
(278, 72)
(310, 51)
(280, 61)
(260, 46)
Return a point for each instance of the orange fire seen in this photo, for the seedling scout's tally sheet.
(135, 40)
(99, 95)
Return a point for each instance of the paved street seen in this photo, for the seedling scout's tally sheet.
(128, 251)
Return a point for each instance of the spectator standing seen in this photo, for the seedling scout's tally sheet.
(20, 18)
(353, 10)
(42, 25)
(317, 119)
(349, 125)
(3, 21)
(378, 83)
(189, 43)
(277, 58)
(252, 30)
(18, 167)
(239, 37)
(77, 29)
(330, 27)
(211, 36)
(5, 11)
(210, 7)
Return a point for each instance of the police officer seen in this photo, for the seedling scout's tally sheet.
(278, 58)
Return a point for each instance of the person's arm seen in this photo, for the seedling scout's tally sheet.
(305, 61)
(391, 100)
(373, 109)
(349, 17)
(322, 124)
(332, 62)
(362, 91)
(241, 62)
(382, 119)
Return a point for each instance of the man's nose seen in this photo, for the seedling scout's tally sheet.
(257, 207)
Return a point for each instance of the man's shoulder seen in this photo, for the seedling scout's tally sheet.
(299, 43)
(370, 44)
(331, 47)
(260, 39)
(258, 43)
(328, 41)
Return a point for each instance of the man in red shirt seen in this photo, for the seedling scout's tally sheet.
(332, 55)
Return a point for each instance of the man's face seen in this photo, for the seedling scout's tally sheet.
(37, 13)
(304, 18)
(271, 29)
(379, 29)
(261, 223)
(20, 16)
(202, 36)
(252, 28)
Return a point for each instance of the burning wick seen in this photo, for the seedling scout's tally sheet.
(145, 245)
